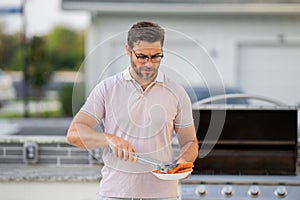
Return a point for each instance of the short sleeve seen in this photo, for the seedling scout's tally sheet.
(184, 117)
(95, 103)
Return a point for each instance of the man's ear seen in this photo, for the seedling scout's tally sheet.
(128, 50)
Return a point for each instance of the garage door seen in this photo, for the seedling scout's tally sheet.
(271, 70)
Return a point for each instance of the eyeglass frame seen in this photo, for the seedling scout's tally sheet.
(146, 58)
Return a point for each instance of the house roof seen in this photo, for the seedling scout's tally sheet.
(186, 1)
(186, 6)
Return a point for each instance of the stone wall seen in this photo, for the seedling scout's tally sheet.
(45, 167)
(49, 151)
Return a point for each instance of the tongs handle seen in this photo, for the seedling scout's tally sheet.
(146, 161)
(158, 165)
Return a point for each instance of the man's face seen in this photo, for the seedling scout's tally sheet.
(145, 59)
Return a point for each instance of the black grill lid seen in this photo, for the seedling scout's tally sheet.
(252, 141)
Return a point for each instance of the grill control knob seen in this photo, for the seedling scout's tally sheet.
(227, 191)
(281, 192)
(254, 191)
(201, 190)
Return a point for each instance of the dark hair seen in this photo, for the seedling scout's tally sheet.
(145, 31)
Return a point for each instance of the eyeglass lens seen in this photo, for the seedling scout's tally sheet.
(144, 58)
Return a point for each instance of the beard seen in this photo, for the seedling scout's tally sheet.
(145, 72)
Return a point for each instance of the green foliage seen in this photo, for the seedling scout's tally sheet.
(71, 102)
(38, 62)
(17, 60)
(66, 48)
(61, 49)
(78, 96)
(10, 51)
(65, 97)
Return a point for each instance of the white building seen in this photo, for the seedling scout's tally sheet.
(254, 44)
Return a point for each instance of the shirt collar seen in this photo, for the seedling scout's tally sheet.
(160, 76)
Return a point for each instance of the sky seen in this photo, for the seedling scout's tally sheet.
(41, 17)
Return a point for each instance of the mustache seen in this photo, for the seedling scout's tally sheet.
(147, 67)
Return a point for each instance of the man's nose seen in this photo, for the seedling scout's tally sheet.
(149, 60)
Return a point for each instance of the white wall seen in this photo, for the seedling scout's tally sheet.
(271, 69)
(220, 35)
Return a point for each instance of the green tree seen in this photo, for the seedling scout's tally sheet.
(10, 50)
(66, 48)
(40, 70)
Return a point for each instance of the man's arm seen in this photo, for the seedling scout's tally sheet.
(81, 133)
(188, 144)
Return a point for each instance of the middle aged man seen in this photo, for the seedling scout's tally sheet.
(140, 109)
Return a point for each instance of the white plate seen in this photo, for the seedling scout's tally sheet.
(176, 176)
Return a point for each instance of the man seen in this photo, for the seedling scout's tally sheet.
(140, 109)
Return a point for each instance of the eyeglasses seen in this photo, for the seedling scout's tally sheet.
(143, 58)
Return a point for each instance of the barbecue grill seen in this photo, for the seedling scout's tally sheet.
(254, 157)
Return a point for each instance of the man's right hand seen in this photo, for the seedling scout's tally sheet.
(120, 148)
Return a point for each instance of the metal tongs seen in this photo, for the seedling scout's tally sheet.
(159, 165)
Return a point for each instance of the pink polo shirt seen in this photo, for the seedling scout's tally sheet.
(146, 119)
